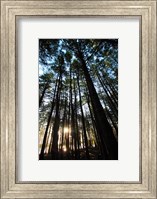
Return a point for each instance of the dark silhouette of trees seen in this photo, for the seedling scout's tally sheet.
(78, 99)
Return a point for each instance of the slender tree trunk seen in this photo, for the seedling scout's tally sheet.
(50, 145)
(54, 150)
(114, 90)
(63, 125)
(112, 94)
(109, 97)
(97, 136)
(67, 134)
(43, 93)
(76, 124)
(72, 113)
(41, 157)
(107, 87)
(111, 118)
(113, 107)
(83, 120)
(48, 137)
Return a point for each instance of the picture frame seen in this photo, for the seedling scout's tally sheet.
(146, 187)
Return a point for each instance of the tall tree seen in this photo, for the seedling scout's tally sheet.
(48, 124)
(54, 150)
(83, 119)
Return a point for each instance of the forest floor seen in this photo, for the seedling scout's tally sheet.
(94, 154)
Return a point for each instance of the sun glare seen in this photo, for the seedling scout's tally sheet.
(66, 129)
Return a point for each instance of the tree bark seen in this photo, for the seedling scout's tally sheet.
(41, 157)
(83, 120)
(76, 124)
(63, 125)
(43, 93)
(54, 150)
(113, 105)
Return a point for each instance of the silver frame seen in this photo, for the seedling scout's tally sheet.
(146, 187)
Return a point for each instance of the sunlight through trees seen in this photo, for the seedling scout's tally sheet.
(78, 99)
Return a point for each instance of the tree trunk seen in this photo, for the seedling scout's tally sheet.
(98, 142)
(41, 157)
(54, 150)
(67, 134)
(72, 115)
(110, 84)
(63, 125)
(83, 120)
(111, 118)
(43, 93)
(113, 106)
(76, 124)
(107, 87)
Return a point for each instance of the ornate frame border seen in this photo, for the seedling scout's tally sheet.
(10, 10)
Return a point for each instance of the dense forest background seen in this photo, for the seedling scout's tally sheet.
(78, 99)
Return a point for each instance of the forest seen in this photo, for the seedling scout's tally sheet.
(78, 99)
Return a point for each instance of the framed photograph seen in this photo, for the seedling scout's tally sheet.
(78, 99)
